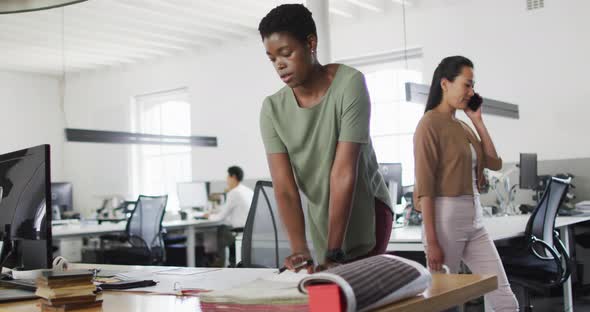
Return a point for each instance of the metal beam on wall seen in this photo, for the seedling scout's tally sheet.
(117, 137)
(418, 93)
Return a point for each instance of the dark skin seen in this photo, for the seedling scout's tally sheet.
(296, 63)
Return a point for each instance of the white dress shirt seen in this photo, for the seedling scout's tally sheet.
(235, 210)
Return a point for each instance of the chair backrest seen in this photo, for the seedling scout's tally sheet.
(543, 241)
(541, 224)
(265, 242)
(144, 227)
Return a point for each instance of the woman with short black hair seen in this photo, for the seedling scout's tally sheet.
(316, 135)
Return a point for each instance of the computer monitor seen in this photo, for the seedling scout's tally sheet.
(192, 195)
(25, 208)
(392, 174)
(528, 178)
(62, 196)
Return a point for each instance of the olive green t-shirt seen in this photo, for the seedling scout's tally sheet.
(309, 136)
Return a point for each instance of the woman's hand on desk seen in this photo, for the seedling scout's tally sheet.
(435, 257)
(294, 261)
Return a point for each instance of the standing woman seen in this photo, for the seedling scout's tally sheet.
(449, 163)
(316, 135)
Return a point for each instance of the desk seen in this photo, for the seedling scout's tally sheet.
(446, 291)
(190, 227)
(409, 238)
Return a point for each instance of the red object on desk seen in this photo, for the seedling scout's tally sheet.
(325, 298)
(193, 291)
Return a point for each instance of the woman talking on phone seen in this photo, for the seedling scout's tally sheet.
(449, 162)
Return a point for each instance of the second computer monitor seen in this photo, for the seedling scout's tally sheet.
(528, 171)
(192, 195)
(392, 172)
(62, 195)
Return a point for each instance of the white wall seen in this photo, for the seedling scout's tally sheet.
(534, 59)
(30, 115)
(226, 88)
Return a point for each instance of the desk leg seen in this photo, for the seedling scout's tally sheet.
(568, 302)
(190, 246)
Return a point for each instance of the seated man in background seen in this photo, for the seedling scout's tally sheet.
(233, 212)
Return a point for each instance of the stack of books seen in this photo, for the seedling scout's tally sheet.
(67, 291)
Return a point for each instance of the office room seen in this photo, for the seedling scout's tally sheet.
(148, 127)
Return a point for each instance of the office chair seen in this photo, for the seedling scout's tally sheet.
(143, 237)
(265, 243)
(539, 261)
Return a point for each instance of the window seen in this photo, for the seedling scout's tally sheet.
(158, 168)
(393, 120)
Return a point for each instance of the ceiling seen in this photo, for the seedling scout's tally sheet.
(99, 34)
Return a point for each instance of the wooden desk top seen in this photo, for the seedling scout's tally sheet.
(447, 290)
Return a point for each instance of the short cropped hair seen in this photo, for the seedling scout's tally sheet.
(294, 19)
(235, 171)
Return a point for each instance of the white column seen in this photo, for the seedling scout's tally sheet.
(320, 10)
(190, 246)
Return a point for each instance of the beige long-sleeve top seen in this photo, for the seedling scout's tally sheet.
(442, 158)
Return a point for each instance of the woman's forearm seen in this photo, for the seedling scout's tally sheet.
(341, 197)
(288, 200)
(428, 216)
(343, 177)
(291, 213)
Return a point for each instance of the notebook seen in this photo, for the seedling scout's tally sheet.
(7, 295)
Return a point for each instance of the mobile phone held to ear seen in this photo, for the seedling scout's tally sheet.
(475, 102)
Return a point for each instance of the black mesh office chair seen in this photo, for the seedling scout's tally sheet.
(143, 238)
(265, 243)
(539, 261)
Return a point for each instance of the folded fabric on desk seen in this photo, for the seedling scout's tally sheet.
(374, 282)
(272, 290)
(365, 284)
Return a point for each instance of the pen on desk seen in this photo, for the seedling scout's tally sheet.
(299, 266)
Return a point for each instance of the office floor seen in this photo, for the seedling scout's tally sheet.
(540, 304)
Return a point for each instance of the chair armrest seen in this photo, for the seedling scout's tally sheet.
(137, 241)
(553, 252)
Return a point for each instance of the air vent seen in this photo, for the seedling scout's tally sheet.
(534, 4)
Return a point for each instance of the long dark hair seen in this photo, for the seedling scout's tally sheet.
(449, 68)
